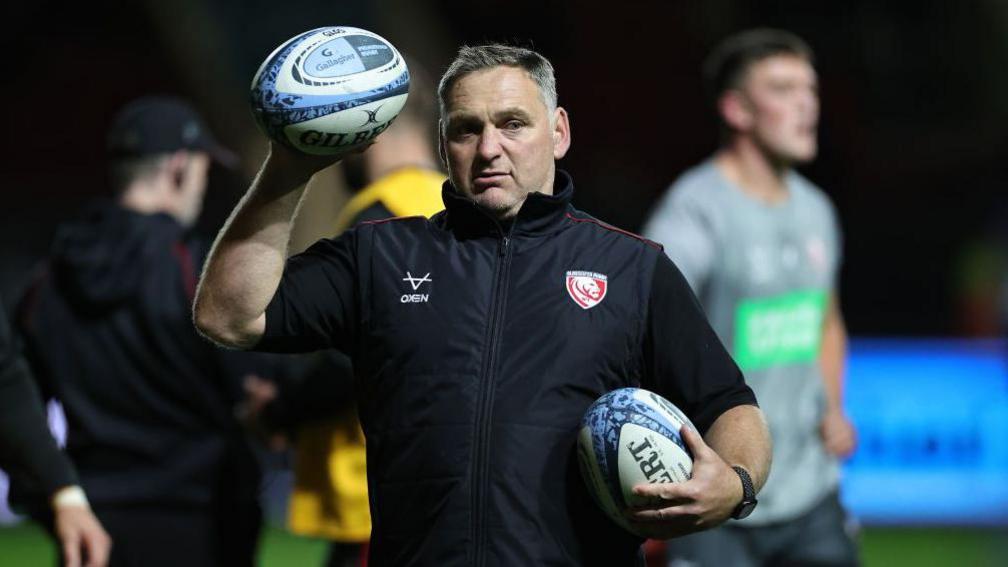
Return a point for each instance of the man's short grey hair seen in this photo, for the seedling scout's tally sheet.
(475, 58)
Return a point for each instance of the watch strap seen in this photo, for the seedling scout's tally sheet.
(748, 494)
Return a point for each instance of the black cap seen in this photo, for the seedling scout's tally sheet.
(161, 124)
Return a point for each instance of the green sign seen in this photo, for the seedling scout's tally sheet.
(784, 329)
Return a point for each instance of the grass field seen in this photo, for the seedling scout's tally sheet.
(26, 545)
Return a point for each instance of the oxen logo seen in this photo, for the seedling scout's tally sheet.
(416, 282)
(587, 289)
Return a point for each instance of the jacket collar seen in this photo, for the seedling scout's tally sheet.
(539, 214)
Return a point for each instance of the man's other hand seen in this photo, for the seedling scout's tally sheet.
(678, 508)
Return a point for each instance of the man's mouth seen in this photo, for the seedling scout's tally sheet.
(807, 129)
(490, 178)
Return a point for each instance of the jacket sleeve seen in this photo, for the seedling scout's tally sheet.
(27, 448)
(315, 306)
(684, 360)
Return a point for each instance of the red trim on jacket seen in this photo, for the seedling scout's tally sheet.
(619, 230)
(381, 221)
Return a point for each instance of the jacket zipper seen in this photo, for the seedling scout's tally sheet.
(484, 415)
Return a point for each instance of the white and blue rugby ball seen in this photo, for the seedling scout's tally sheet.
(628, 437)
(329, 89)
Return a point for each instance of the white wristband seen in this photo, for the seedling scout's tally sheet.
(70, 496)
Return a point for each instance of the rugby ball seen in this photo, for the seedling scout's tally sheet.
(329, 90)
(628, 437)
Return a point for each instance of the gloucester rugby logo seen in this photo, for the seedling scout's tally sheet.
(587, 289)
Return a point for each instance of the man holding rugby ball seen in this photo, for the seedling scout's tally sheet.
(471, 392)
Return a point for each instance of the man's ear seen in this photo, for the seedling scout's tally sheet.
(442, 153)
(175, 167)
(735, 110)
(561, 133)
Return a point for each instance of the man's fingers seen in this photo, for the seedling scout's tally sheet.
(71, 549)
(661, 495)
(81, 536)
(840, 445)
(839, 438)
(668, 514)
(98, 545)
(693, 441)
(658, 502)
(90, 544)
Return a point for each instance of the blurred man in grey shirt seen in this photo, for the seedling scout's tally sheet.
(761, 247)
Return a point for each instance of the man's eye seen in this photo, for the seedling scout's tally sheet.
(783, 88)
(513, 124)
(462, 131)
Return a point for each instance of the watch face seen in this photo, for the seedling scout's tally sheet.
(745, 509)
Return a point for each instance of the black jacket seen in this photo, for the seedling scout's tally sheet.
(108, 330)
(27, 449)
(475, 365)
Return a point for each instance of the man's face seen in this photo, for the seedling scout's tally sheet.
(499, 139)
(782, 98)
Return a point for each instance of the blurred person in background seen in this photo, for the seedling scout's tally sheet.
(108, 332)
(474, 362)
(398, 176)
(761, 247)
(29, 452)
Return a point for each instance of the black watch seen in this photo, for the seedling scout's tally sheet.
(748, 503)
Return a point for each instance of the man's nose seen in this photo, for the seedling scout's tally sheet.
(489, 143)
(809, 101)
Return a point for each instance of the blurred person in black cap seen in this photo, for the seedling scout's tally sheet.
(107, 328)
(28, 450)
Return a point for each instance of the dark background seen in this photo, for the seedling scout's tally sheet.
(913, 143)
